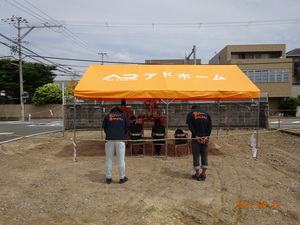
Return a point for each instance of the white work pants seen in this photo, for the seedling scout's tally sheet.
(110, 148)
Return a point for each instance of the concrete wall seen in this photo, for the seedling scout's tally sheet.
(13, 112)
(296, 91)
(298, 111)
(227, 114)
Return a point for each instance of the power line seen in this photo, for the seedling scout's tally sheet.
(5, 56)
(107, 24)
(88, 60)
(61, 58)
(120, 62)
(64, 31)
(22, 9)
(28, 51)
(181, 25)
(110, 62)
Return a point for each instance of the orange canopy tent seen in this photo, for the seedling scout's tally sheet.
(173, 82)
(164, 82)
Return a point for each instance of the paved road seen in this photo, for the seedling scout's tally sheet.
(14, 130)
(284, 123)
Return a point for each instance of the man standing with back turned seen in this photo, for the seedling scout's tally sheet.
(200, 125)
(115, 126)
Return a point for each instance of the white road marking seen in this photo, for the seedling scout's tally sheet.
(16, 122)
(51, 124)
(274, 122)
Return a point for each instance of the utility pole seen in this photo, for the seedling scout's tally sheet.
(19, 19)
(17, 24)
(194, 55)
(103, 54)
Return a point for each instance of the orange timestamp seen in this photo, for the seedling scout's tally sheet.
(259, 204)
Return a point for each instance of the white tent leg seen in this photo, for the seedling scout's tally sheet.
(74, 133)
(218, 119)
(257, 129)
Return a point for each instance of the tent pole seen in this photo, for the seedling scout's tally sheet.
(74, 131)
(167, 130)
(62, 107)
(101, 134)
(228, 117)
(218, 120)
(257, 129)
(167, 125)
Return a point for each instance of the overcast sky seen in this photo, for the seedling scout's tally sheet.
(135, 30)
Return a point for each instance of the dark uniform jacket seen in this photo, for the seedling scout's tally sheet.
(199, 123)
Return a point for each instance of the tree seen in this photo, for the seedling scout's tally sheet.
(47, 94)
(9, 79)
(34, 75)
(70, 88)
(290, 105)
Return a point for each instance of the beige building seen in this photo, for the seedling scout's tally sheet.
(266, 65)
(295, 55)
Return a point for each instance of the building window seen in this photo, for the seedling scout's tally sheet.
(256, 55)
(278, 76)
(234, 56)
(249, 56)
(264, 76)
(285, 75)
(271, 75)
(275, 55)
(250, 74)
(259, 76)
(297, 68)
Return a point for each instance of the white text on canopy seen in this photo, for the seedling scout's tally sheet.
(148, 76)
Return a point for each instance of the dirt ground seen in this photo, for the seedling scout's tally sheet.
(40, 183)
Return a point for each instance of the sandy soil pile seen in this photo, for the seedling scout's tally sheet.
(40, 183)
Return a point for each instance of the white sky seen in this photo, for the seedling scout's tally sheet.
(136, 30)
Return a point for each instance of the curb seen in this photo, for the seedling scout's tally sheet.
(297, 133)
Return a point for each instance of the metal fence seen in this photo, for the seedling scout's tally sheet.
(82, 114)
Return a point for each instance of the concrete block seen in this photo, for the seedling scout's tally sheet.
(298, 111)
